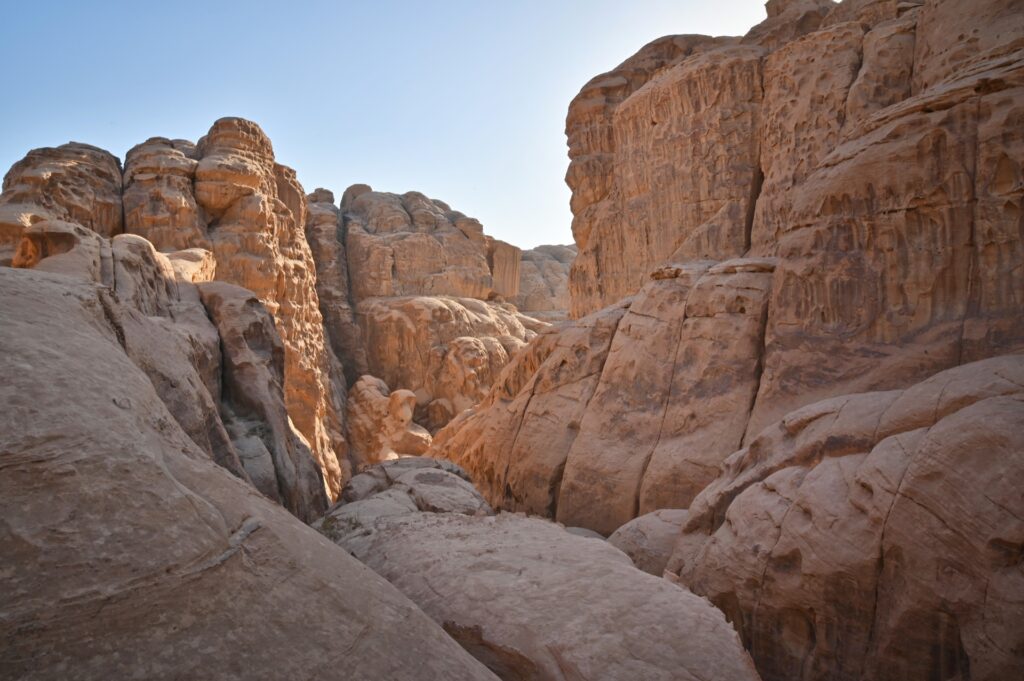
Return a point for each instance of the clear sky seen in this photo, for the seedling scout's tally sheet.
(463, 100)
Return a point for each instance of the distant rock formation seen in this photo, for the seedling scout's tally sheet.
(544, 282)
(411, 292)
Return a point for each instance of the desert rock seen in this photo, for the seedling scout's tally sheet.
(380, 423)
(544, 282)
(124, 546)
(875, 535)
(649, 539)
(530, 600)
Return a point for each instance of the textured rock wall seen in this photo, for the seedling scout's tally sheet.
(854, 142)
(544, 282)
(626, 411)
(876, 535)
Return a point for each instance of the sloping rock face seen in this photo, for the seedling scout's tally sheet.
(226, 195)
(210, 350)
(526, 597)
(876, 535)
(628, 410)
(871, 147)
(544, 282)
(129, 554)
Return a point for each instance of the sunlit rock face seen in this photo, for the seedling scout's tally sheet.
(413, 293)
(544, 282)
(871, 147)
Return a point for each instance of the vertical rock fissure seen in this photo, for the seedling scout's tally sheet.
(759, 369)
(664, 412)
(972, 306)
(755, 193)
(556, 485)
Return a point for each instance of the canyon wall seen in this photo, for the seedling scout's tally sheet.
(544, 282)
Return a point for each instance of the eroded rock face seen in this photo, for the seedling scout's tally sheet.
(220, 379)
(875, 535)
(256, 213)
(447, 351)
(544, 282)
(200, 576)
(524, 596)
(627, 411)
(869, 146)
(74, 183)
(408, 244)
(380, 423)
(274, 455)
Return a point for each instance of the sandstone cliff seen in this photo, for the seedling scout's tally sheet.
(411, 293)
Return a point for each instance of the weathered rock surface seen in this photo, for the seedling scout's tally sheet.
(626, 411)
(380, 423)
(408, 244)
(128, 554)
(220, 379)
(544, 282)
(524, 596)
(649, 539)
(256, 213)
(274, 455)
(326, 237)
(447, 351)
(74, 183)
(870, 146)
(875, 535)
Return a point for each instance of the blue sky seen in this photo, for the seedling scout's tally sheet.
(464, 101)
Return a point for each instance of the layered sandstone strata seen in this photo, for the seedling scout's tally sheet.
(544, 282)
(129, 554)
(875, 535)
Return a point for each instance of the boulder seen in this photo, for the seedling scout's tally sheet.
(649, 539)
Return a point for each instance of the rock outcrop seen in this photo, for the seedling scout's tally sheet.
(128, 553)
(853, 143)
(875, 535)
(226, 195)
(626, 411)
(380, 423)
(411, 292)
(210, 350)
(650, 539)
(524, 596)
(544, 282)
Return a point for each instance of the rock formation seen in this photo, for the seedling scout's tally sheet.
(380, 423)
(628, 410)
(525, 597)
(650, 539)
(127, 552)
(411, 292)
(544, 282)
(876, 535)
